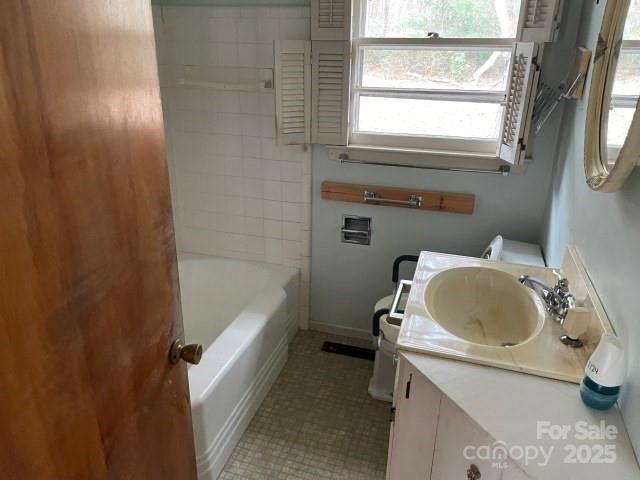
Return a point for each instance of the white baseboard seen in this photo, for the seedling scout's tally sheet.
(292, 327)
(339, 330)
(235, 426)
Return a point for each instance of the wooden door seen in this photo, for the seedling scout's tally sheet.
(89, 299)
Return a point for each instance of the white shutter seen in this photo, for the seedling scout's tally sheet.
(293, 91)
(539, 20)
(523, 80)
(330, 85)
(330, 19)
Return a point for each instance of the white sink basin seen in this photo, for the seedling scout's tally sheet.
(484, 306)
(477, 311)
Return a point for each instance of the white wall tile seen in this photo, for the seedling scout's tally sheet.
(255, 12)
(225, 12)
(254, 208)
(251, 127)
(271, 169)
(264, 55)
(268, 29)
(254, 226)
(291, 231)
(223, 30)
(292, 192)
(227, 54)
(249, 102)
(247, 55)
(273, 228)
(248, 30)
(273, 190)
(305, 243)
(269, 147)
(252, 167)
(253, 188)
(272, 210)
(291, 249)
(236, 192)
(273, 248)
(267, 103)
(267, 126)
(295, 28)
(256, 245)
(292, 212)
(231, 166)
(225, 102)
(251, 147)
(291, 172)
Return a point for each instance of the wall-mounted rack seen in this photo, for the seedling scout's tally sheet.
(548, 98)
(242, 87)
(399, 197)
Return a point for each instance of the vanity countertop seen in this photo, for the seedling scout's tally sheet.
(509, 406)
(542, 354)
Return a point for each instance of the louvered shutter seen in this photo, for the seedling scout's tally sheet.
(293, 91)
(523, 79)
(330, 19)
(539, 20)
(330, 85)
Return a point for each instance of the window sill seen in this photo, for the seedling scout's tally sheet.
(414, 158)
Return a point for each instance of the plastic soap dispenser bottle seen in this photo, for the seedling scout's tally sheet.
(604, 374)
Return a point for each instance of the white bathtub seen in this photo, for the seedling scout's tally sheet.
(242, 313)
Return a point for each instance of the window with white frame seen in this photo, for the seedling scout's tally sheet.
(444, 76)
(626, 84)
(431, 74)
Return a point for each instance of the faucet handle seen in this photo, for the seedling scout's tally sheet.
(563, 282)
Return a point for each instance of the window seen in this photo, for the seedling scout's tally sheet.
(445, 78)
(431, 74)
(626, 84)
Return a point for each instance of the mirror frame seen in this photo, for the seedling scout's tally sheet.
(598, 176)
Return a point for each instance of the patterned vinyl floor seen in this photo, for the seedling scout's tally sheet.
(317, 422)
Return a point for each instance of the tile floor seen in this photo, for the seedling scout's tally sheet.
(317, 422)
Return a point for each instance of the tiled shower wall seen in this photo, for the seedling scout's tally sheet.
(236, 193)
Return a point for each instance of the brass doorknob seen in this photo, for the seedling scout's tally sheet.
(191, 353)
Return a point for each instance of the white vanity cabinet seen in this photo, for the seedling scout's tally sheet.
(413, 427)
(429, 434)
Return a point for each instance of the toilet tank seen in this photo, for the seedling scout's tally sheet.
(505, 250)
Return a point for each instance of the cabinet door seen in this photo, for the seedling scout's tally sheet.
(457, 432)
(413, 432)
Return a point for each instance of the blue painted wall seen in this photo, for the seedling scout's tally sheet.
(605, 227)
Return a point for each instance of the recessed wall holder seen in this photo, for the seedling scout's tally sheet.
(356, 230)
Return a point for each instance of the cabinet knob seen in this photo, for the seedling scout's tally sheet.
(473, 473)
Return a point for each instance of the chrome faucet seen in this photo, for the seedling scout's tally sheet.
(558, 300)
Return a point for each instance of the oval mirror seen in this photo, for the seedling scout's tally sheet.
(612, 139)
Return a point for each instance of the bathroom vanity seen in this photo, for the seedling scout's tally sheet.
(455, 415)
(451, 418)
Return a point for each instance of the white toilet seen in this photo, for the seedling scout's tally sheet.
(384, 369)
